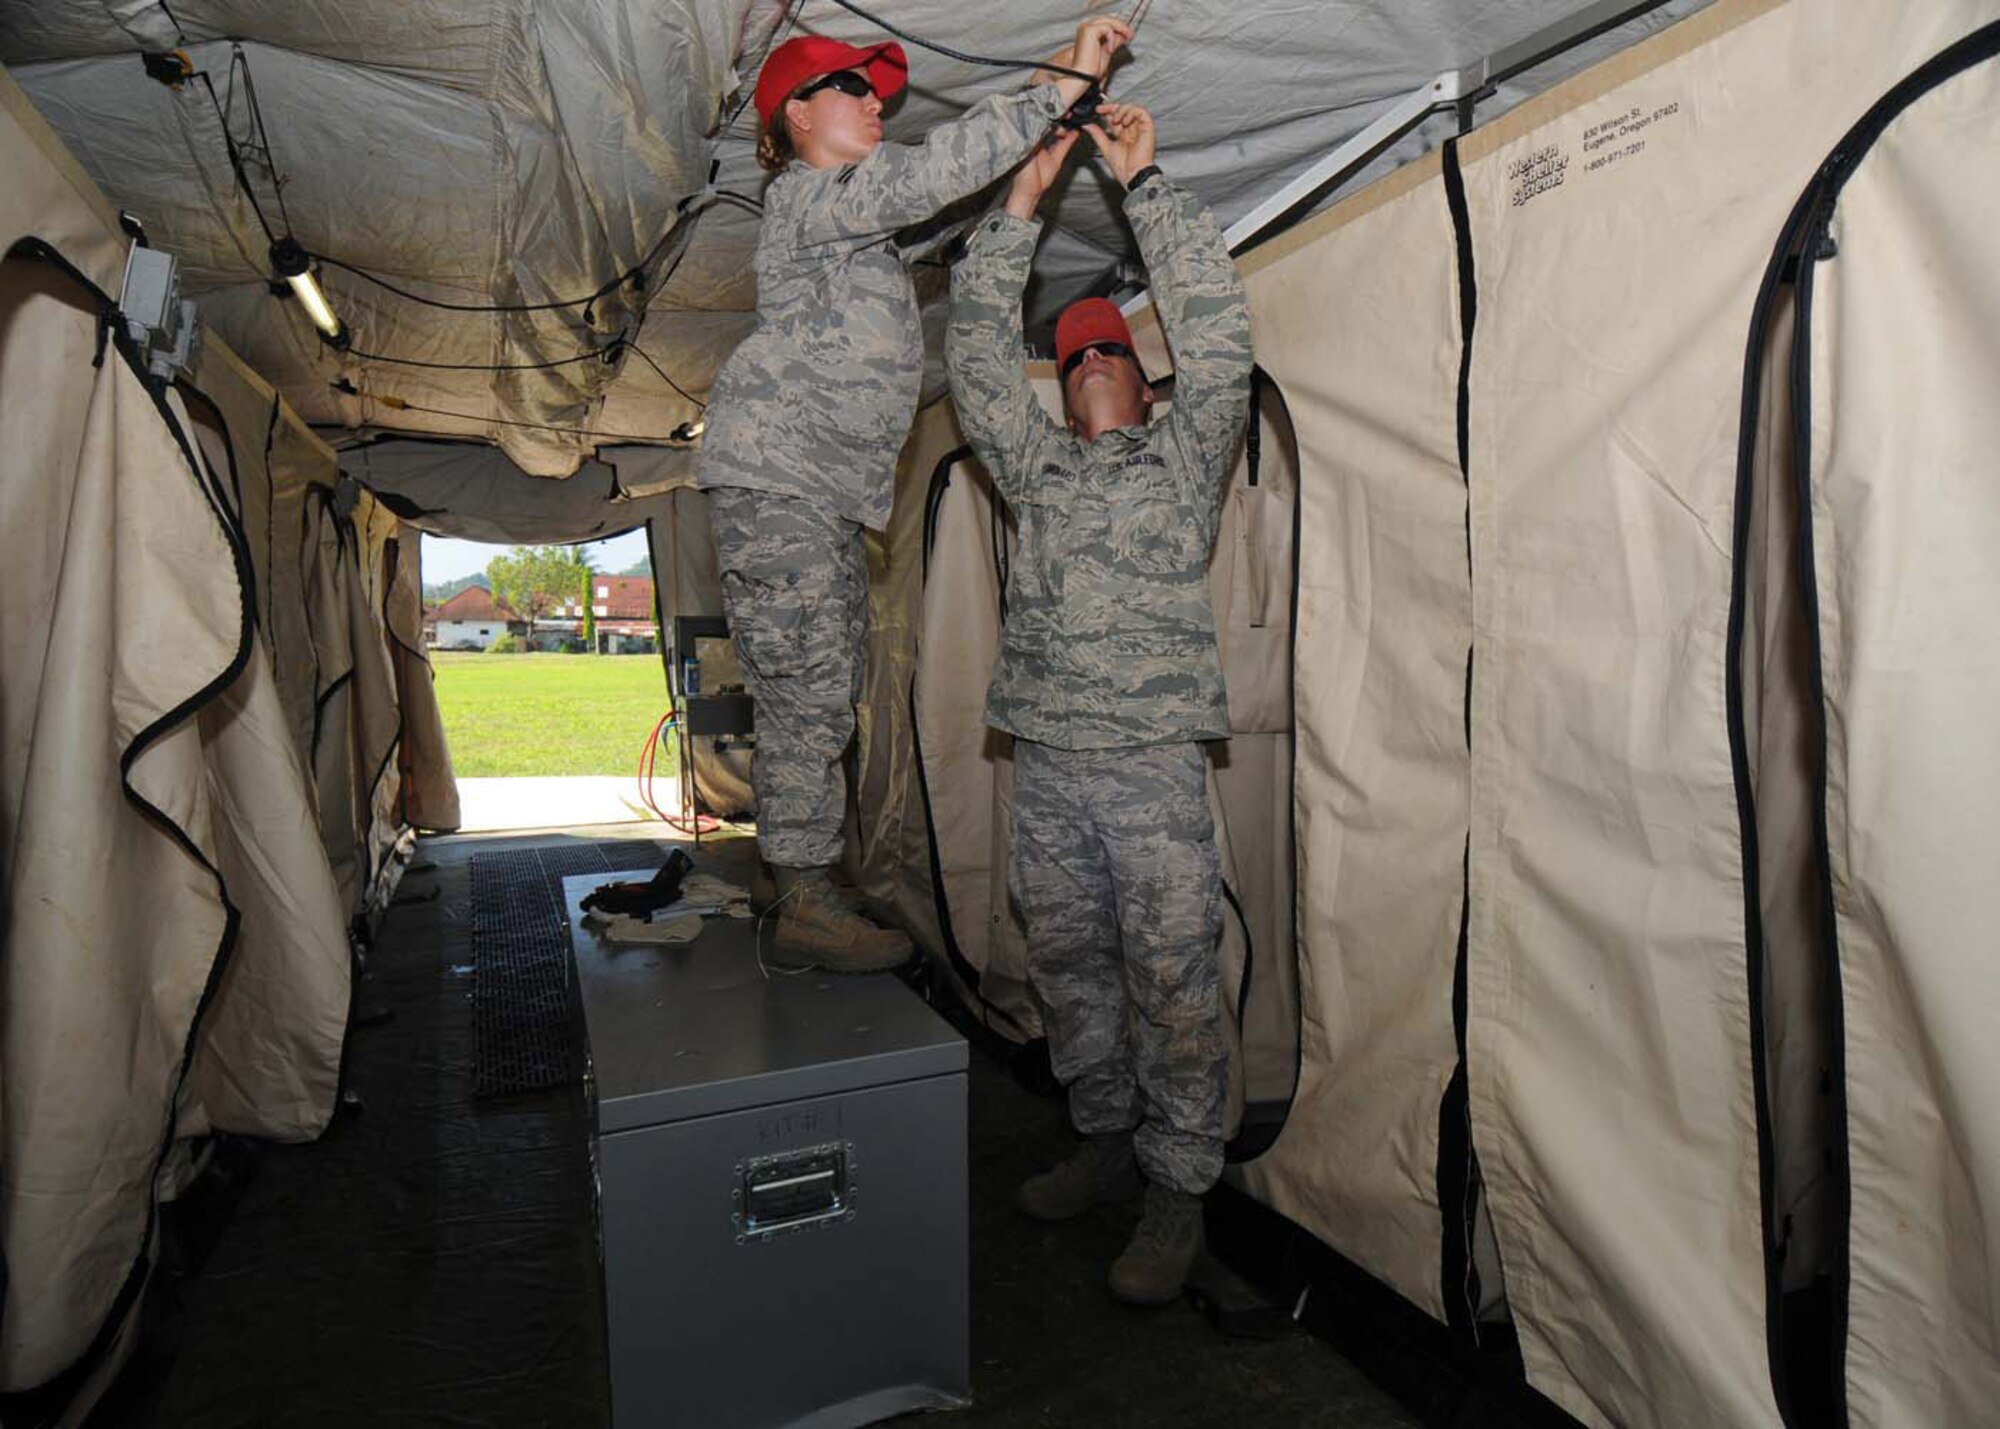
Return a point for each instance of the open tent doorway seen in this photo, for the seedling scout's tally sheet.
(549, 680)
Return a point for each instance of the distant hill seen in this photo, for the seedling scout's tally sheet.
(445, 590)
(640, 567)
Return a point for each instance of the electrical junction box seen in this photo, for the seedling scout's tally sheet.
(158, 319)
(781, 1166)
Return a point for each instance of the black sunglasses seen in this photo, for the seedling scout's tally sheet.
(1107, 349)
(848, 81)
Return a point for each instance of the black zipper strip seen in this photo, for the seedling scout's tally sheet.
(1246, 1149)
(1841, 1185)
(269, 583)
(1457, 1162)
(375, 864)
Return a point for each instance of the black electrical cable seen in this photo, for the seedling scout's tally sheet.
(609, 288)
(604, 354)
(609, 352)
(960, 55)
(634, 275)
(648, 358)
(236, 156)
(555, 304)
(665, 278)
(397, 404)
(237, 57)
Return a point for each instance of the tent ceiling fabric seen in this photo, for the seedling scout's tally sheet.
(499, 151)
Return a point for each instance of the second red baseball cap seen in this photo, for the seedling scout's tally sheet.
(809, 56)
(1087, 321)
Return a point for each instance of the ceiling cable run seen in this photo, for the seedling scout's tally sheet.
(685, 395)
(295, 265)
(962, 56)
(634, 276)
(397, 404)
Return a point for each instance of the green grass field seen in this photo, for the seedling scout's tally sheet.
(549, 714)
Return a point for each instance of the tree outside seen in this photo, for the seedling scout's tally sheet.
(535, 580)
(589, 615)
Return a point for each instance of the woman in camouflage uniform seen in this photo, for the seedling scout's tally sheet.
(807, 418)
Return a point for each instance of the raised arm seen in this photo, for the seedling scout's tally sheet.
(902, 184)
(899, 185)
(1203, 310)
(1197, 293)
(983, 353)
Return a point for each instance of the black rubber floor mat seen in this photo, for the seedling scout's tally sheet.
(524, 999)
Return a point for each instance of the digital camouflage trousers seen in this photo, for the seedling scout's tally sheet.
(1116, 872)
(795, 589)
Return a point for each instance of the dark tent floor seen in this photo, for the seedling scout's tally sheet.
(432, 1258)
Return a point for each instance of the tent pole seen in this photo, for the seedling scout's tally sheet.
(1453, 88)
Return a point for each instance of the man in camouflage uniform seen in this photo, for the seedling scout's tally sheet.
(805, 424)
(1108, 679)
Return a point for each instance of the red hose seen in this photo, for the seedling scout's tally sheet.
(648, 756)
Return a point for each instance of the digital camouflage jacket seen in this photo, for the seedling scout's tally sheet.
(817, 401)
(1110, 634)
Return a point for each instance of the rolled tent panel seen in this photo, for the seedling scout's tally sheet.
(269, 461)
(476, 493)
(1899, 433)
(427, 790)
(378, 726)
(356, 725)
(1618, 228)
(323, 556)
(1357, 321)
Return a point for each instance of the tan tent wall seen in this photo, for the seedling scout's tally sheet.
(1905, 511)
(357, 725)
(1619, 228)
(1360, 331)
(935, 629)
(112, 513)
(281, 474)
(1614, 1100)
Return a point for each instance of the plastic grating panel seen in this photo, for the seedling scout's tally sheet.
(524, 1000)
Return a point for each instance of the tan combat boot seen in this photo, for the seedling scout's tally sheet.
(1101, 1169)
(764, 891)
(816, 929)
(1155, 1265)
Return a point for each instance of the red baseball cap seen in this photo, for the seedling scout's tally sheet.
(1088, 321)
(810, 56)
